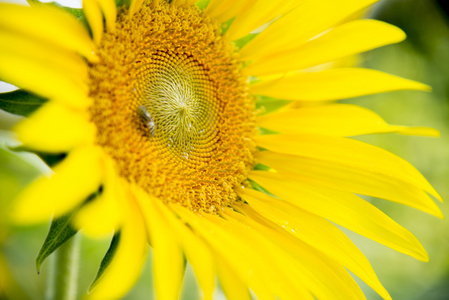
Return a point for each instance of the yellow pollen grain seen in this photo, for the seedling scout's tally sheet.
(172, 108)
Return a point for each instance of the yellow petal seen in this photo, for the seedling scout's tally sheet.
(75, 178)
(54, 128)
(168, 259)
(103, 215)
(315, 231)
(135, 6)
(345, 209)
(309, 19)
(257, 15)
(221, 11)
(345, 40)
(48, 81)
(423, 131)
(197, 252)
(237, 254)
(128, 260)
(110, 13)
(49, 24)
(337, 120)
(334, 84)
(232, 287)
(348, 153)
(350, 179)
(70, 63)
(264, 272)
(94, 16)
(325, 278)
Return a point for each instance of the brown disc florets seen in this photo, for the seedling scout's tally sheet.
(171, 106)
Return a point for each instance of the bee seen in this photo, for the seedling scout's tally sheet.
(147, 119)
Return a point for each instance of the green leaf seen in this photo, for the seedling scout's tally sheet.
(20, 102)
(106, 261)
(60, 231)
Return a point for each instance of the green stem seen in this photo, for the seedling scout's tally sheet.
(65, 271)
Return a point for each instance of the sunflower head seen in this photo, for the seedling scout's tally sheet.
(151, 114)
(170, 86)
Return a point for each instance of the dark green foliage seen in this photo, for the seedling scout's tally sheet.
(107, 259)
(60, 231)
(20, 102)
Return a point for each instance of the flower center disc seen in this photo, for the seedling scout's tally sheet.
(179, 106)
(171, 106)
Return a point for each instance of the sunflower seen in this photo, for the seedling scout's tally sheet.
(208, 129)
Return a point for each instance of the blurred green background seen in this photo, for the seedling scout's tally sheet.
(424, 56)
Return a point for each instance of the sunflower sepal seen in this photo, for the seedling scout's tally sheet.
(51, 159)
(76, 12)
(60, 232)
(20, 102)
(266, 105)
(240, 43)
(255, 186)
(106, 261)
(202, 4)
(119, 3)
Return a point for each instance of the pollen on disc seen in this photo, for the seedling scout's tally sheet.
(182, 101)
(172, 108)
